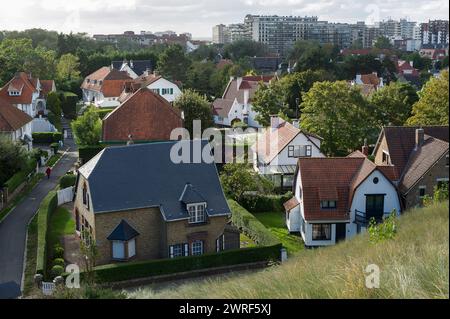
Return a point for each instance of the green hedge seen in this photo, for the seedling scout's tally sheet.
(102, 112)
(87, 152)
(265, 203)
(69, 102)
(67, 181)
(47, 137)
(121, 272)
(251, 226)
(20, 177)
(48, 206)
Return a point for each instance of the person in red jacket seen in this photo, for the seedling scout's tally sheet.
(48, 171)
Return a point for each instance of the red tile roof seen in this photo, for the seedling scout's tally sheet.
(145, 115)
(110, 82)
(47, 86)
(20, 82)
(11, 118)
(370, 79)
(291, 204)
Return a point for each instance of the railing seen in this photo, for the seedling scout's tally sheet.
(362, 219)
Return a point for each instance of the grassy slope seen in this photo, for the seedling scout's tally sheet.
(413, 265)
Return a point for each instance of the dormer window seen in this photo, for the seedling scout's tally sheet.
(14, 93)
(328, 204)
(197, 213)
(386, 158)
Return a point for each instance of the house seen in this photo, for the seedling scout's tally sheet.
(170, 91)
(406, 67)
(143, 116)
(335, 198)
(104, 86)
(235, 104)
(419, 156)
(15, 124)
(278, 148)
(134, 68)
(138, 204)
(29, 94)
(433, 54)
(371, 79)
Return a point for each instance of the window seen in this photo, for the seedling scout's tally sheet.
(386, 158)
(122, 250)
(376, 180)
(197, 213)
(321, 232)
(422, 191)
(197, 248)
(446, 161)
(299, 151)
(328, 204)
(178, 250)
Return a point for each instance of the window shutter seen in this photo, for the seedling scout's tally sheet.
(171, 251)
(186, 249)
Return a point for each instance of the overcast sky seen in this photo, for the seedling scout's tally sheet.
(198, 16)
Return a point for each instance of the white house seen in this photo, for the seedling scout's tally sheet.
(235, 104)
(15, 124)
(335, 198)
(170, 91)
(278, 148)
(29, 95)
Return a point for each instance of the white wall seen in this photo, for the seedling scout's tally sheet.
(293, 220)
(165, 84)
(284, 159)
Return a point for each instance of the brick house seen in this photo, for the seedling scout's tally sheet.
(144, 115)
(420, 157)
(138, 204)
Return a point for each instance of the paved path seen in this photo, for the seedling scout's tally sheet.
(14, 227)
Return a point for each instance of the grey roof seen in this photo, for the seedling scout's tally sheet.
(123, 232)
(139, 66)
(143, 175)
(190, 195)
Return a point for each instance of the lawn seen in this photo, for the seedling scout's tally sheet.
(52, 161)
(274, 221)
(30, 263)
(61, 223)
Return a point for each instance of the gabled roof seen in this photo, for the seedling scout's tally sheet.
(190, 195)
(144, 175)
(123, 232)
(222, 107)
(421, 160)
(371, 79)
(138, 66)
(108, 81)
(291, 204)
(23, 82)
(11, 118)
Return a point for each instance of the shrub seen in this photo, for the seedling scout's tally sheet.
(54, 147)
(67, 181)
(58, 262)
(48, 206)
(103, 112)
(121, 272)
(88, 152)
(20, 177)
(58, 251)
(260, 203)
(56, 271)
(69, 104)
(383, 231)
(47, 137)
(251, 226)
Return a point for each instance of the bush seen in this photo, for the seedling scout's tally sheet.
(251, 226)
(69, 105)
(54, 147)
(121, 272)
(48, 206)
(103, 112)
(383, 231)
(261, 203)
(86, 153)
(56, 271)
(58, 262)
(67, 181)
(58, 251)
(20, 177)
(47, 137)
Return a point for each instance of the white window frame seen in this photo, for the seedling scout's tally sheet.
(194, 247)
(197, 213)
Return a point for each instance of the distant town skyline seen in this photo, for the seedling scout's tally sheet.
(198, 17)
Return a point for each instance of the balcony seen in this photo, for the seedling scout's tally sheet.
(362, 219)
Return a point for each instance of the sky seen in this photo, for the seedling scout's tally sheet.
(199, 16)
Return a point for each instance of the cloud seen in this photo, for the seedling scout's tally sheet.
(198, 16)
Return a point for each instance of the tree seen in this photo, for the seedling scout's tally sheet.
(87, 128)
(199, 77)
(243, 49)
(13, 158)
(432, 107)
(310, 55)
(339, 114)
(194, 107)
(173, 63)
(382, 43)
(54, 103)
(393, 103)
(68, 68)
(268, 100)
(237, 179)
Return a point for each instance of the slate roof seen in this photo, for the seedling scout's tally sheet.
(11, 118)
(123, 232)
(143, 175)
(139, 66)
(190, 195)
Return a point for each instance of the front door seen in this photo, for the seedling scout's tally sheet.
(340, 232)
(374, 206)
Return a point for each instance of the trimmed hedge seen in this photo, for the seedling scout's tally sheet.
(251, 226)
(69, 102)
(261, 203)
(102, 112)
(48, 206)
(47, 137)
(122, 272)
(86, 153)
(20, 177)
(67, 181)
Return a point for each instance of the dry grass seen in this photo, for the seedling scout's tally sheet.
(415, 264)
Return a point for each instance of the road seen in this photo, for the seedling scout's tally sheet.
(13, 228)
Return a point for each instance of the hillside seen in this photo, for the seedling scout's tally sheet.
(415, 264)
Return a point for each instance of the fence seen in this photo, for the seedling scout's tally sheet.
(47, 288)
(65, 195)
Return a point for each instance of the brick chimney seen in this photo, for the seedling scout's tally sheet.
(274, 122)
(419, 137)
(365, 148)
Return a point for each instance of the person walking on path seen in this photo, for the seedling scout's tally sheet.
(48, 171)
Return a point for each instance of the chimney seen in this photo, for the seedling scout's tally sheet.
(365, 148)
(296, 123)
(131, 64)
(239, 81)
(130, 140)
(419, 137)
(358, 79)
(246, 96)
(274, 122)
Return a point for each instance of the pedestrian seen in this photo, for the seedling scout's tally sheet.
(48, 171)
